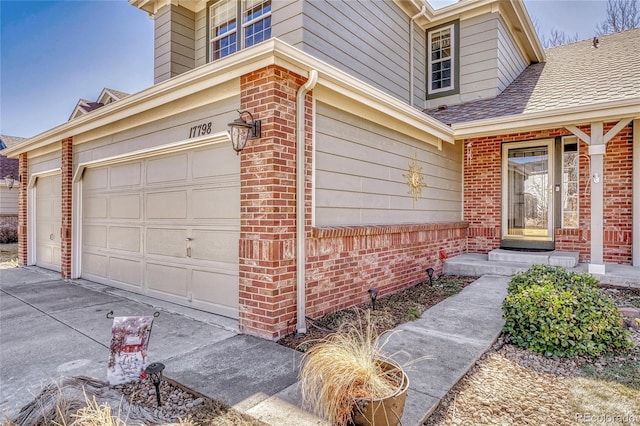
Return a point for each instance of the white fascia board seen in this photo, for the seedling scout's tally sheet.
(345, 84)
(584, 114)
(206, 76)
(271, 52)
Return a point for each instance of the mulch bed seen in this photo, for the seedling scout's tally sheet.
(390, 311)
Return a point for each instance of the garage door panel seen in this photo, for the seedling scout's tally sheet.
(126, 175)
(172, 169)
(153, 210)
(94, 207)
(94, 179)
(214, 162)
(167, 242)
(169, 279)
(124, 238)
(215, 287)
(94, 264)
(167, 205)
(128, 271)
(215, 245)
(95, 235)
(216, 203)
(125, 206)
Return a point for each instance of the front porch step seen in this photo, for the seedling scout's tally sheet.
(475, 264)
(565, 259)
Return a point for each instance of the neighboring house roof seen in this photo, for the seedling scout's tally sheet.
(576, 74)
(9, 166)
(107, 96)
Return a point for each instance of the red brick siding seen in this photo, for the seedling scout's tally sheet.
(66, 165)
(344, 262)
(22, 209)
(482, 195)
(267, 253)
(618, 197)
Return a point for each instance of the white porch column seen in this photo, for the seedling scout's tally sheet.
(597, 150)
(635, 248)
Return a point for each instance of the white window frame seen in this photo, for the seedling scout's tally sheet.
(212, 27)
(451, 57)
(253, 21)
(240, 7)
(568, 141)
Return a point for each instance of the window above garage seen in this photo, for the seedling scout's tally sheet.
(233, 25)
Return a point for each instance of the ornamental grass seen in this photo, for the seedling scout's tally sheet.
(343, 367)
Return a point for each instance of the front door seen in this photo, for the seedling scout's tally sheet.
(527, 197)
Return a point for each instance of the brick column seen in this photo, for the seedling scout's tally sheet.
(267, 253)
(23, 172)
(66, 164)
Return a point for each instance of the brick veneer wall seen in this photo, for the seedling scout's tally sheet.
(22, 209)
(482, 195)
(267, 253)
(66, 178)
(618, 197)
(343, 263)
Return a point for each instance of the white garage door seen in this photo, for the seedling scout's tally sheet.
(48, 217)
(167, 227)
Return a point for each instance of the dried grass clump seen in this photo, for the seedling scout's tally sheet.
(343, 367)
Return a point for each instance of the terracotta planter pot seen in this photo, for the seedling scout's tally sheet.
(384, 411)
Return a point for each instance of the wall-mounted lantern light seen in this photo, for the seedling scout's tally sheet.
(240, 131)
(9, 181)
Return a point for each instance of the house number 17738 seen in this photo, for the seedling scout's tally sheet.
(200, 130)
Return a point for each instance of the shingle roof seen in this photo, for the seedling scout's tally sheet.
(575, 74)
(10, 141)
(9, 166)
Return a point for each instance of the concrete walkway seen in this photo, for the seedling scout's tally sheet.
(51, 328)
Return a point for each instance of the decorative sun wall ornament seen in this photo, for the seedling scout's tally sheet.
(415, 179)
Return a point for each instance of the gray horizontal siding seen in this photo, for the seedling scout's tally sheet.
(174, 42)
(511, 62)
(160, 132)
(367, 39)
(286, 21)
(359, 174)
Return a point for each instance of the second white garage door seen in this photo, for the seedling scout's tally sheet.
(166, 226)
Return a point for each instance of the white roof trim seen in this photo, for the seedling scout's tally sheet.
(583, 114)
(271, 52)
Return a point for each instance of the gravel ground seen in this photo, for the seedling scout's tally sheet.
(512, 386)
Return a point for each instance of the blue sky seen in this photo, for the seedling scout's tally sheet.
(53, 53)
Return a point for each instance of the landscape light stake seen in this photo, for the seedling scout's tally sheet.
(373, 294)
(154, 371)
(430, 272)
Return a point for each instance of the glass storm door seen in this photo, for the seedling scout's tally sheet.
(527, 196)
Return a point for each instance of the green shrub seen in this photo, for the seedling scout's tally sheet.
(561, 313)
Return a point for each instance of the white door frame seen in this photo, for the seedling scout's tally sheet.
(550, 144)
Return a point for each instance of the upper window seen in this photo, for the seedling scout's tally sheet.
(224, 15)
(441, 54)
(256, 21)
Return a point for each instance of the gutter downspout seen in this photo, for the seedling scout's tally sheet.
(301, 285)
(411, 55)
